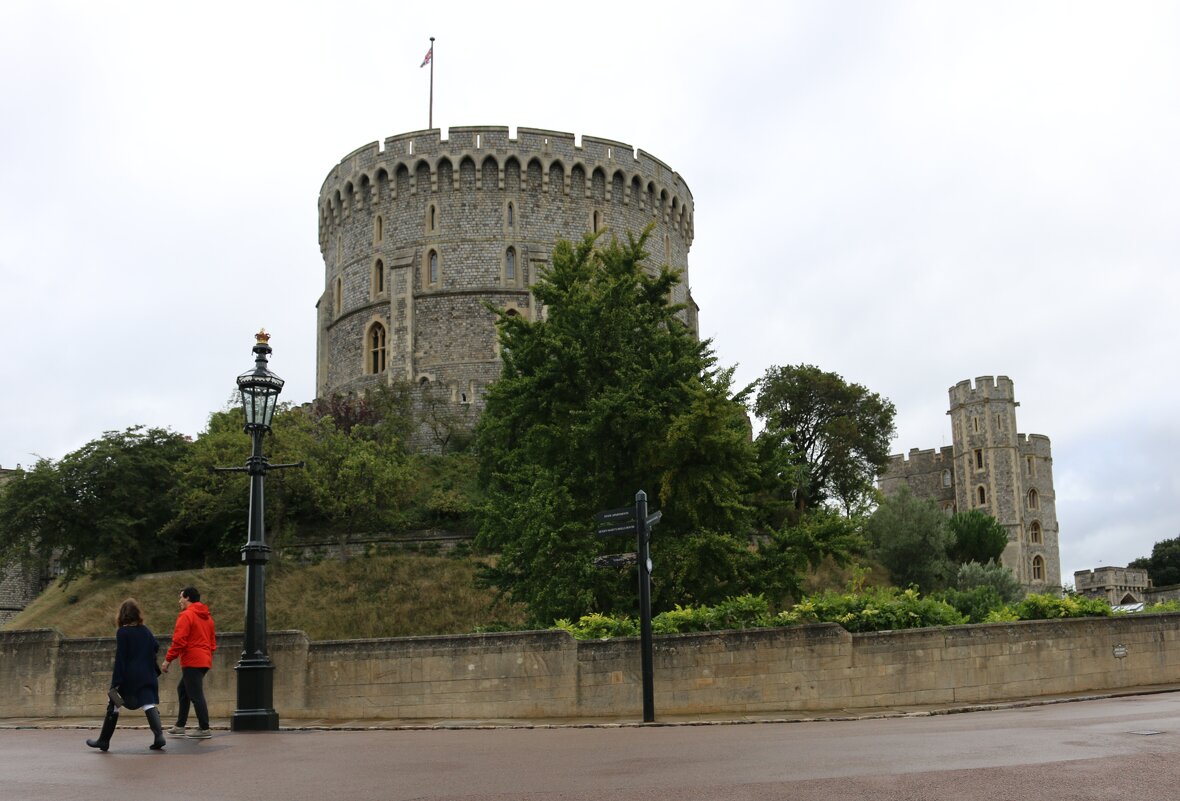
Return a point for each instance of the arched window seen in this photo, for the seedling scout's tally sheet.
(510, 265)
(1034, 533)
(979, 458)
(981, 496)
(946, 478)
(433, 271)
(376, 361)
(596, 222)
(378, 229)
(338, 300)
(431, 218)
(1038, 568)
(511, 215)
(1034, 500)
(378, 277)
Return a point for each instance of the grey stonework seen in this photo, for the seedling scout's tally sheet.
(993, 468)
(490, 208)
(19, 583)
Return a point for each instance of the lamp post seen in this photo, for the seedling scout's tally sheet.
(260, 390)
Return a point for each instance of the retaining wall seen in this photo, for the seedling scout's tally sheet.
(549, 674)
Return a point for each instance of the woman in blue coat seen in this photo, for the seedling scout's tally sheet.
(134, 677)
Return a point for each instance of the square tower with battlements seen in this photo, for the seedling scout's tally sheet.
(993, 468)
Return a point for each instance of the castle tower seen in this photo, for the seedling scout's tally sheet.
(421, 234)
(993, 468)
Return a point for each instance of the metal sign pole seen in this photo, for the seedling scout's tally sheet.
(642, 529)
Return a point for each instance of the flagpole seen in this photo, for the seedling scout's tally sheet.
(431, 117)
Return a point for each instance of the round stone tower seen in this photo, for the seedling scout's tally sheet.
(421, 234)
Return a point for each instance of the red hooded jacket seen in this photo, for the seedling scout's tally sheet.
(193, 639)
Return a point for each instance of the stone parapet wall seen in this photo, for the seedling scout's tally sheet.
(548, 674)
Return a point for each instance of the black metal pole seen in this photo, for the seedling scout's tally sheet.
(255, 710)
(645, 637)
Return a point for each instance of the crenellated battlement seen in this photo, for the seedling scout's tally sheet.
(919, 461)
(597, 171)
(986, 388)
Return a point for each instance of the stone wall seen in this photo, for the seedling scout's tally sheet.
(547, 674)
(486, 210)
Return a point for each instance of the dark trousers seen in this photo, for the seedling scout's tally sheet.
(192, 689)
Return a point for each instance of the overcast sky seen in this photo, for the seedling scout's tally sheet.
(906, 193)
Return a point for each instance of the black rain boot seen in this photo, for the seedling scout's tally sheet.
(153, 718)
(108, 728)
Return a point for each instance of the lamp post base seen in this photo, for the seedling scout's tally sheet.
(255, 710)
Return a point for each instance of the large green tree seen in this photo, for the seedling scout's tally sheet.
(608, 393)
(911, 538)
(978, 537)
(824, 439)
(1163, 566)
(102, 507)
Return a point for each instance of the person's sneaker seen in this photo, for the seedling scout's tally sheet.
(177, 730)
(200, 734)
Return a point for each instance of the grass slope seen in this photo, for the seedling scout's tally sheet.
(401, 595)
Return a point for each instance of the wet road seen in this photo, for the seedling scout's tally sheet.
(1107, 749)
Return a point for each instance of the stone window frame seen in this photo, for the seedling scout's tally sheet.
(597, 221)
(431, 218)
(432, 271)
(946, 477)
(375, 349)
(378, 229)
(1030, 466)
(1033, 499)
(1038, 569)
(338, 296)
(510, 271)
(977, 460)
(377, 282)
(981, 495)
(509, 215)
(1036, 533)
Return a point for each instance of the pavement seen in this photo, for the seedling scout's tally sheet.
(132, 721)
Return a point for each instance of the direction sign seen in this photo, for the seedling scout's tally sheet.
(614, 531)
(617, 560)
(652, 519)
(616, 515)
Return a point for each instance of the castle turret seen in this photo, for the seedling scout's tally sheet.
(421, 234)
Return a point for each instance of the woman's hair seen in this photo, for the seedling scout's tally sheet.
(130, 613)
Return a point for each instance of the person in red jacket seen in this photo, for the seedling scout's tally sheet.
(193, 642)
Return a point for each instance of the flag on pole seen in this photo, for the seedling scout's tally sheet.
(429, 55)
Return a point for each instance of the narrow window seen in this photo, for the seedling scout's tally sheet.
(510, 265)
(975, 424)
(433, 267)
(1034, 533)
(1034, 500)
(339, 301)
(1030, 466)
(433, 218)
(596, 222)
(378, 277)
(511, 215)
(946, 478)
(377, 348)
(981, 496)
(979, 458)
(378, 229)
(1038, 568)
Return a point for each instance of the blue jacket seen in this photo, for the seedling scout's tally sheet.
(135, 666)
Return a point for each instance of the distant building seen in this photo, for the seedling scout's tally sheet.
(992, 467)
(1118, 586)
(19, 584)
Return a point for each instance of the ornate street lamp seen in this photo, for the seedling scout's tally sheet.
(260, 395)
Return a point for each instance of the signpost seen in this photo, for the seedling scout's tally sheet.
(635, 520)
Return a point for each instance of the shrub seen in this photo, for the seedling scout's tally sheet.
(881, 609)
(1046, 606)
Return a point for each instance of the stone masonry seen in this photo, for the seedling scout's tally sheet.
(19, 583)
(420, 235)
(993, 468)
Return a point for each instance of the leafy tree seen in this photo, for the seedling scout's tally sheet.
(609, 392)
(1163, 566)
(835, 434)
(101, 507)
(910, 537)
(979, 537)
(994, 575)
(784, 555)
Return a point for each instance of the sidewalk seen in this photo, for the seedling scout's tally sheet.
(136, 721)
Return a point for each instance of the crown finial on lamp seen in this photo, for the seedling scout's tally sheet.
(262, 337)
